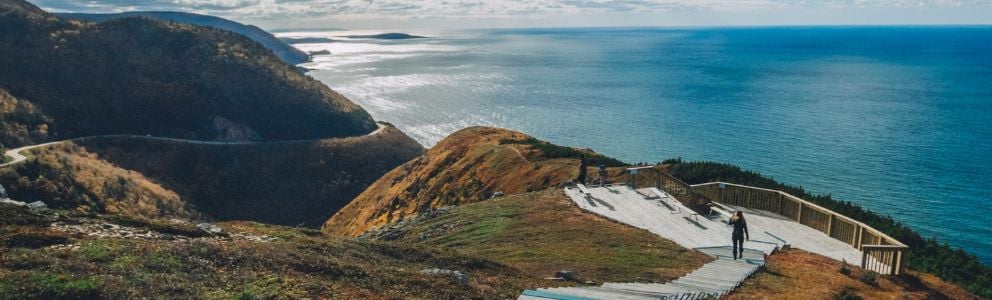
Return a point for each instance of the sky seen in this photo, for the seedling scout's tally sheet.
(457, 14)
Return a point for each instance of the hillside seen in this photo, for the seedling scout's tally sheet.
(140, 76)
(290, 183)
(468, 166)
(285, 52)
(822, 278)
(70, 177)
(21, 123)
(544, 232)
(66, 255)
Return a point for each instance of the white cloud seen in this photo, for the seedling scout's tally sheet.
(471, 9)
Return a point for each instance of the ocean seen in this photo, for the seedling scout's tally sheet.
(897, 119)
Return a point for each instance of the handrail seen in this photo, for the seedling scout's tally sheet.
(811, 205)
(880, 252)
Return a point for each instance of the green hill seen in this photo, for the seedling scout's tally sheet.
(140, 76)
(284, 51)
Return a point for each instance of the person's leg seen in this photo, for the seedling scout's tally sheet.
(733, 241)
(740, 247)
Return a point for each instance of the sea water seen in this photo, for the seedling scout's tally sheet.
(897, 119)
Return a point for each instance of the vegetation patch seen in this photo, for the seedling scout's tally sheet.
(796, 274)
(300, 264)
(543, 232)
(34, 238)
(44, 285)
(550, 151)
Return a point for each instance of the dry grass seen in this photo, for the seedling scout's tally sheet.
(796, 274)
(467, 166)
(71, 177)
(300, 264)
(543, 232)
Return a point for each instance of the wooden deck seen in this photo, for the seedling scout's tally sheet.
(661, 214)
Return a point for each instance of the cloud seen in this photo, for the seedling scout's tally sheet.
(455, 9)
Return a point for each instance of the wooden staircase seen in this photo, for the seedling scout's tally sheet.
(714, 279)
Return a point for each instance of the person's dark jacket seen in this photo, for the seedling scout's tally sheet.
(740, 229)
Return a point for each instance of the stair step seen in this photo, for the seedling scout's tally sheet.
(539, 294)
(654, 288)
(594, 293)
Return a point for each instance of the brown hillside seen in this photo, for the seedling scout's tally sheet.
(70, 177)
(289, 183)
(467, 166)
(21, 123)
(797, 274)
(543, 232)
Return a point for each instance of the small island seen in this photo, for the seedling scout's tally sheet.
(306, 40)
(387, 36)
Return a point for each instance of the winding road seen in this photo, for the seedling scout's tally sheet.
(17, 157)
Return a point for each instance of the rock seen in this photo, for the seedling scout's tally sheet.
(568, 275)
(37, 205)
(12, 202)
(3, 192)
(461, 277)
(210, 228)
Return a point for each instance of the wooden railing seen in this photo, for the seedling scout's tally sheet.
(880, 252)
(654, 176)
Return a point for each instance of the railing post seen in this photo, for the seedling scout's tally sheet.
(861, 237)
(799, 215)
(864, 259)
(897, 264)
(830, 225)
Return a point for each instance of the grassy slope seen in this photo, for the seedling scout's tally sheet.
(467, 166)
(299, 264)
(820, 278)
(283, 183)
(544, 232)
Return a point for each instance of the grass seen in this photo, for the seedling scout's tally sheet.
(300, 264)
(821, 278)
(542, 232)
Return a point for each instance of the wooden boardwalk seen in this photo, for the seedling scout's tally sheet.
(661, 214)
(713, 279)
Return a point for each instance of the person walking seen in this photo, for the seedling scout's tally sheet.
(582, 169)
(740, 233)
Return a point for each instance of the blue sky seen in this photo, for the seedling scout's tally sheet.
(372, 14)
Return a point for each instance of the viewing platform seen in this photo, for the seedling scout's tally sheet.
(775, 220)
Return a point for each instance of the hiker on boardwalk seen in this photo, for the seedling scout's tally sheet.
(582, 169)
(740, 233)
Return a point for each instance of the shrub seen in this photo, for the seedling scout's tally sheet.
(37, 285)
(847, 294)
(844, 269)
(550, 150)
(35, 240)
(869, 277)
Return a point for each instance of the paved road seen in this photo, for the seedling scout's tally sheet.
(17, 157)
